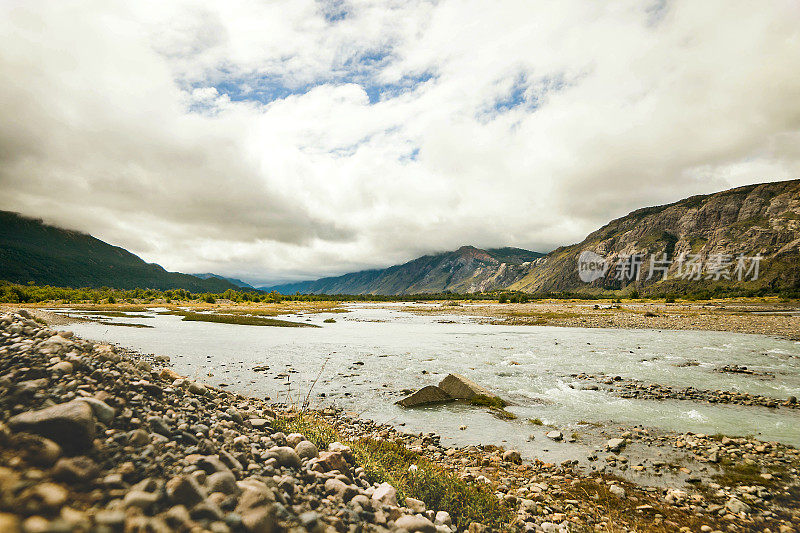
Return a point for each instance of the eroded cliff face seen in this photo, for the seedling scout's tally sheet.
(757, 219)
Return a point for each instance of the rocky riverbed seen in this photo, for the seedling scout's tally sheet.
(94, 439)
(634, 388)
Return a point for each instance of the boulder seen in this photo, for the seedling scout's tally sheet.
(415, 523)
(461, 388)
(386, 494)
(70, 424)
(426, 396)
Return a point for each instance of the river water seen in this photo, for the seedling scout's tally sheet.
(369, 355)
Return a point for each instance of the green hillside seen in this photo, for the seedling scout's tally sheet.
(31, 251)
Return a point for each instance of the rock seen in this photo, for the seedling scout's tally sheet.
(512, 456)
(167, 374)
(9, 523)
(615, 445)
(737, 506)
(140, 499)
(260, 520)
(259, 423)
(75, 469)
(102, 411)
(138, 438)
(293, 439)
(69, 424)
(333, 461)
(415, 523)
(418, 506)
(224, 482)
(385, 494)
(44, 496)
(443, 518)
(285, 456)
(461, 388)
(158, 425)
(198, 388)
(185, 490)
(340, 488)
(306, 450)
(555, 435)
(617, 491)
(62, 367)
(36, 449)
(426, 396)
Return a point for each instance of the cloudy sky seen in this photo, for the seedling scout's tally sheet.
(287, 140)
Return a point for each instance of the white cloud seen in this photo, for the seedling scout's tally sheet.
(246, 138)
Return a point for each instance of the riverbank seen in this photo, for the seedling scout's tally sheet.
(174, 454)
(768, 316)
(760, 316)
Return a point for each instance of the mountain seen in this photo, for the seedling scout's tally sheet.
(235, 281)
(33, 251)
(467, 269)
(755, 219)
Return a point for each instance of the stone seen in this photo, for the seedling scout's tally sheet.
(385, 494)
(140, 499)
(102, 411)
(458, 387)
(158, 425)
(615, 445)
(306, 450)
(9, 523)
(198, 388)
(443, 519)
(737, 506)
(260, 520)
(617, 491)
(285, 456)
(45, 496)
(138, 438)
(70, 424)
(62, 367)
(426, 396)
(185, 490)
(293, 439)
(36, 449)
(75, 469)
(340, 488)
(418, 506)
(555, 435)
(512, 456)
(333, 461)
(259, 423)
(412, 523)
(224, 482)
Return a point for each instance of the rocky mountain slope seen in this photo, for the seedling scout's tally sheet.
(467, 269)
(710, 230)
(46, 255)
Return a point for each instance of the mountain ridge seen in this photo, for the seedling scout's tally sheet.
(32, 251)
(467, 269)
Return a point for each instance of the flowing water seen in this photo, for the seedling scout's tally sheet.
(365, 359)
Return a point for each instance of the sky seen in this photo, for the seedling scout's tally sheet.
(286, 140)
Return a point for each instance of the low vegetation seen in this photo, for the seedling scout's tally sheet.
(190, 316)
(389, 461)
(495, 404)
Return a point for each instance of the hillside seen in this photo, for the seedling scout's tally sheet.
(33, 251)
(235, 281)
(755, 219)
(467, 269)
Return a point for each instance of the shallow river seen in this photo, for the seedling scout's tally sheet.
(372, 353)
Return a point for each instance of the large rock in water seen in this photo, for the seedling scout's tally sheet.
(426, 395)
(461, 388)
(70, 424)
